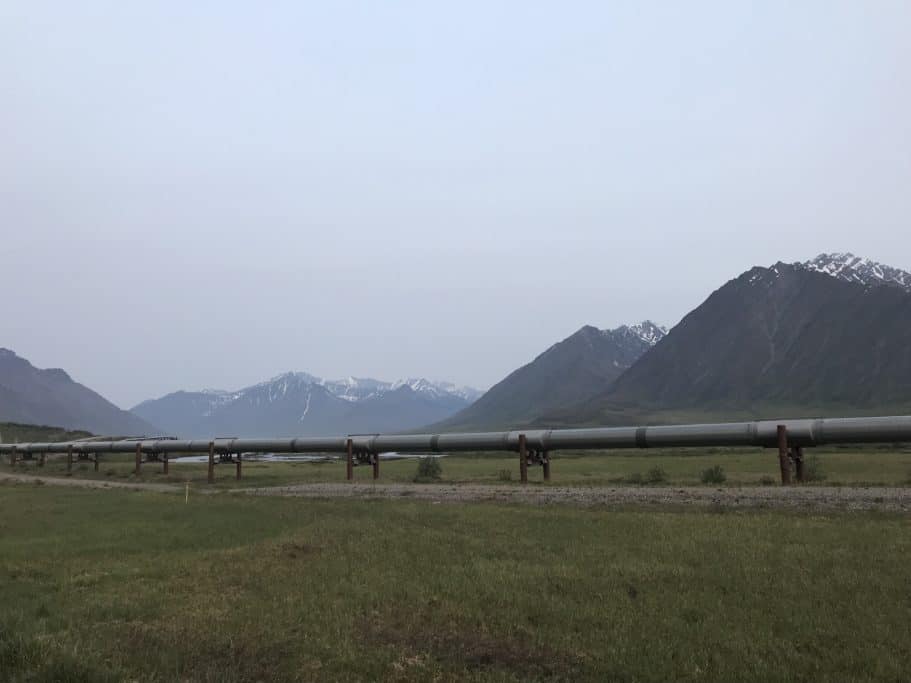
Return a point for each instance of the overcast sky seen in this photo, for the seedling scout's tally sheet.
(206, 194)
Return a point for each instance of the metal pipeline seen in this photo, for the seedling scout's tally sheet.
(803, 432)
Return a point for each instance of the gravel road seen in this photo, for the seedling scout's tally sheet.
(793, 497)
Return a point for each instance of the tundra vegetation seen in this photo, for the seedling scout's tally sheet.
(117, 585)
(830, 466)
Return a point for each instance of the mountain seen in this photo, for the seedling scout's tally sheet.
(571, 371)
(298, 404)
(832, 335)
(50, 397)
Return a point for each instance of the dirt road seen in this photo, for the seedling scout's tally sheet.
(87, 483)
(793, 497)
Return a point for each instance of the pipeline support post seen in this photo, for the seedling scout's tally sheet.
(12, 457)
(69, 459)
(238, 465)
(138, 468)
(42, 459)
(545, 464)
(211, 476)
(523, 459)
(783, 459)
(375, 457)
(164, 463)
(797, 454)
(349, 463)
(96, 462)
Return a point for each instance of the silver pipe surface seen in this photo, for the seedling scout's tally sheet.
(802, 432)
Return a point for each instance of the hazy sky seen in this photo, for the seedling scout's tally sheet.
(199, 194)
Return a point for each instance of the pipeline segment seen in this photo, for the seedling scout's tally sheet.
(801, 433)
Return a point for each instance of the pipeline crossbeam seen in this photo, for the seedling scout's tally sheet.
(764, 433)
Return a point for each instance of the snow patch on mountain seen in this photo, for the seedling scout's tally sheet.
(646, 331)
(850, 268)
(350, 389)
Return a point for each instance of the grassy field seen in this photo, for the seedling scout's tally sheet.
(682, 467)
(112, 585)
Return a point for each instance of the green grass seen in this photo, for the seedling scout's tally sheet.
(13, 432)
(113, 585)
(886, 466)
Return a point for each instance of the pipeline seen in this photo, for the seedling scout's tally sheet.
(764, 433)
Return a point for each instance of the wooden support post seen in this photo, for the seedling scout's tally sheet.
(783, 460)
(69, 458)
(96, 462)
(211, 462)
(138, 468)
(12, 457)
(797, 452)
(546, 465)
(349, 463)
(523, 460)
(376, 466)
(164, 463)
(238, 466)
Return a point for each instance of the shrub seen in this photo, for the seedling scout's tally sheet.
(429, 469)
(656, 475)
(713, 475)
(504, 475)
(812, 469)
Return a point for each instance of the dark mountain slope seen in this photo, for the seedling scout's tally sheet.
(780, 337)
(50, 397)
(577, 368)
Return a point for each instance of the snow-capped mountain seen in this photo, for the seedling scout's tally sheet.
(646, 331)
(573, 370)
(300, 404)
(851, 268)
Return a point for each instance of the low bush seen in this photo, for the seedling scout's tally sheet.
(429, 469)
(713, 475)
(812, 469)
(656, 475)
(504, 475)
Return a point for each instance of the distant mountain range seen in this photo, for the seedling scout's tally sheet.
(831, 335)
(577, 368)
(29, 395)
(299, 404)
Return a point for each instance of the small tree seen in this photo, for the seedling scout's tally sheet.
(429, 469)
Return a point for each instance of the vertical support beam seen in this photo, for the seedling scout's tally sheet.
(164, 463)
(523, 460)
(349, 463)
(211, 462)
(69, 458)
(239, 458)
(783, 460)
(138, 468)
(546, 465)
(376, 465)
(12, 457)
(42, 459)
(798, 463)
(96, 462)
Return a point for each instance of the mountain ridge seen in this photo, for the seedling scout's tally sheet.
(50, 396)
